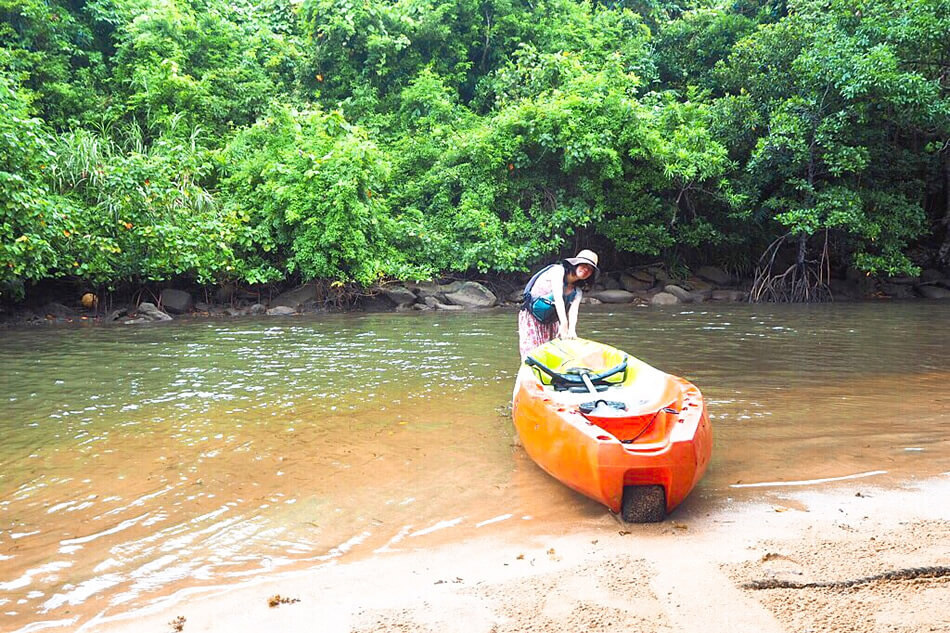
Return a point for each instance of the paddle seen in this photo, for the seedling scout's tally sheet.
(590, 385)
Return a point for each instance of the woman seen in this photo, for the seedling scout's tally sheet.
(551, 300)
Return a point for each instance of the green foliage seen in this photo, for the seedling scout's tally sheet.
(505, 190)
(218, 66)
(308, 186)
(352, 141)
(142, 210)
(35, 224)
(688, 49)
(362, 55)
(841, 95)
(78, 206)
(47, 47)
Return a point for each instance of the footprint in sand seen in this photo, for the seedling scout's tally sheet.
(782, 568)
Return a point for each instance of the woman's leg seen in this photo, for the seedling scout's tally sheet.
(532, 333)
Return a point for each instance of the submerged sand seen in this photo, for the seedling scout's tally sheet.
(827, 551)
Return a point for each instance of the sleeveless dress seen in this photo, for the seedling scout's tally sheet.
(532, 332)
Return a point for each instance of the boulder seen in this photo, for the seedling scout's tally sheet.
(177, 301)
(296, 297)
(644, 276)
(25, 315)
(680, 293)
(664, 299)
(728, 295)
(930, 274)
(904, 280)
(659, 274)
(257, 308)
(235, 312)
(516, 296)
(150, 312)
(58, 310)
(699, 296)
(932, 292)
(591, 301)
(614, 296)
(611, 283)
(697, 285)
(432, 302)
(897, 291)
(472, 294)
(714, 275)
(116, 314)
(281, 311)
(427, 289)
(452, 286)
(632, 283)
(399, 295)
(375, 303)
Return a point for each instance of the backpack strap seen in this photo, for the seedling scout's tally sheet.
(526, 295)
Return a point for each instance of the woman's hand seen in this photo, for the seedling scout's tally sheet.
(563, 331)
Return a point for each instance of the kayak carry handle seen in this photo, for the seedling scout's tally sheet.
(562, 382)
(588, 407)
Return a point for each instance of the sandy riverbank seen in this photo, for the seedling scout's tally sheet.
(686, 574)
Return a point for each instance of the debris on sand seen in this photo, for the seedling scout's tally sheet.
(277, 599)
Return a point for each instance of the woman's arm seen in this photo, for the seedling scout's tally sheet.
(572, 314)
(557, 284)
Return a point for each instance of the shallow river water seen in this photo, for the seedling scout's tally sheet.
(138, 461)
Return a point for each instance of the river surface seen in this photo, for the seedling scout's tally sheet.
(139, 461)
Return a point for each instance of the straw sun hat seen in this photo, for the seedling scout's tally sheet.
(585, 257)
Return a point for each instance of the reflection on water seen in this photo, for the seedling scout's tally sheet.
(138, 460)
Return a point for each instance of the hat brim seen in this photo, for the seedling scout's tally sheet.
(574, 261)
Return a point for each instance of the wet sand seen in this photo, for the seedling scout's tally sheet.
(690, 573)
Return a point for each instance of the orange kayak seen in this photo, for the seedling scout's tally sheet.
(612, 427)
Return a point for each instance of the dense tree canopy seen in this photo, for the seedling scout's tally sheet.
(354, 141)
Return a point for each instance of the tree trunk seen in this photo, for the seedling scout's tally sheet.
(943, 255)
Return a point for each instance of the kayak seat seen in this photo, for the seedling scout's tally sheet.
(572, 378)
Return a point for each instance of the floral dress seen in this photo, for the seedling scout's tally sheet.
(531, 332)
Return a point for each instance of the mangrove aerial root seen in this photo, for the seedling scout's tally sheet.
(804, 281)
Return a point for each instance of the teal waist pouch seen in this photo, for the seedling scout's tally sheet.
(543, 309)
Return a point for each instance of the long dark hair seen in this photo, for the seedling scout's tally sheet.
(583, 284)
